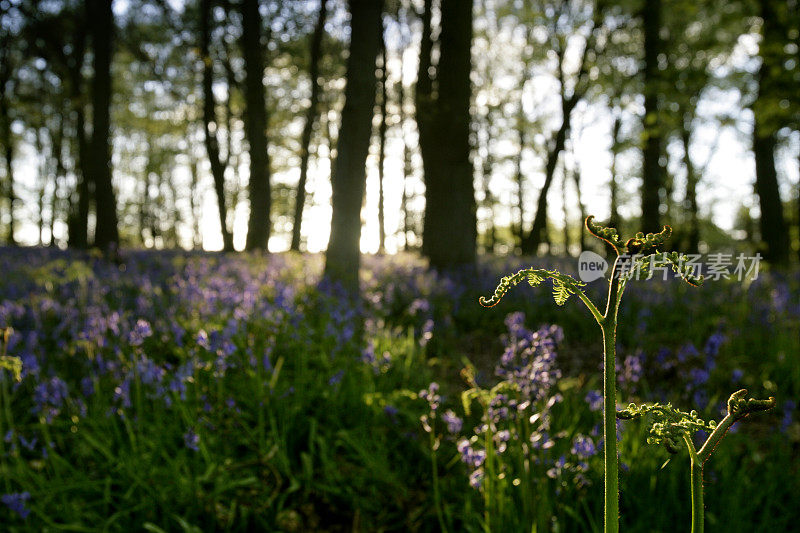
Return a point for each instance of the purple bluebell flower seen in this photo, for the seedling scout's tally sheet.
(336, 378)
(202, 339)
(140, 332)
(476, 478)
(595, 400)
(454, 423)
(713, 344)
(368, 354)
(192, 440)
(391, 411)
(16, 502)
(788, 410)
(583, 447)
(431, 395)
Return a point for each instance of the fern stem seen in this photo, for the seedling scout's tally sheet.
(698, 511)
(609, 328)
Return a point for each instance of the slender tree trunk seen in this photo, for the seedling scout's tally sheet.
(774, 229)
(425, 108)
(520, 179)
(145, 211)
(407, 169)
(772, 222)
(79, 229)
(210, 123)
(449, 190)
(41, 171)
(652, 169)
(564, 209)
(58, 175)
(156, 211)
(531, 241)
(616, 142)
(171, 234)
(315, 52)
(576, 176)
(101, 22)
(197, 241)
(382, 147)
(7, 140)
(348, 182)
(78, 224)
(690, 200)
(258, 228)
(487, 168)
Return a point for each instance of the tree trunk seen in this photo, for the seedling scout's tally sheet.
(614, 219)
(772, 222)
(407, 168)
(519, 232)
(101, 22)
(424, 107)
(197, 240)
(487, 168)
(531, 241)
(8, 149)
(58, 175)
(382, 148)
(652, 169)
(576, 177)
(564, 210)
(41, 171)
(258, 228)
(315, 53)
(348, 182)
(79, 228)
(774, 229)
(210, 123)
(449, 190)
(6, 137)
(690, 200)
(78, 220)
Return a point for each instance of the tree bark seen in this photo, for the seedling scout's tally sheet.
(424, 106)
(382, 147)
(449, 190)
(58, 175)
(5, 135)
(519, 232)
(576, 177)
(315, 52)
(197, 240)
(258, 229)
(690, 200)
(614, 219)
(101, 22)
(564, 210)
(531, 241)
(348, 183)
(774, 229)
(210, 123)
(407, 168)
(652, 169)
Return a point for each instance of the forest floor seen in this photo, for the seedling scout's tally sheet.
(178, 391)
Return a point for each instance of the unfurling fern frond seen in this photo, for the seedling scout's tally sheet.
(679, 263)
(563, 285)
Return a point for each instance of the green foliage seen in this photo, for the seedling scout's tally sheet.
(667, 424)
(564, 285)
(12, 364)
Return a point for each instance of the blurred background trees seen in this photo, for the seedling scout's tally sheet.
(492, 125)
